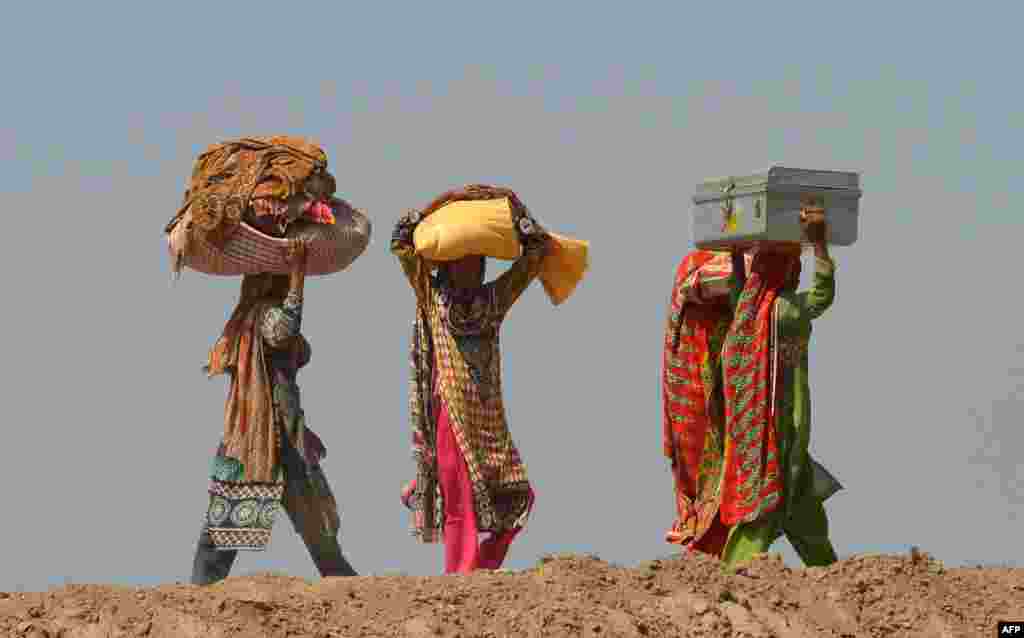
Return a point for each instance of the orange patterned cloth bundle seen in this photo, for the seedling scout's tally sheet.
(246, 198)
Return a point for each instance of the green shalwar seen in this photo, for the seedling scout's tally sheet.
(806, 485)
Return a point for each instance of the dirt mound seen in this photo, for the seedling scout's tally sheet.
(562, 596)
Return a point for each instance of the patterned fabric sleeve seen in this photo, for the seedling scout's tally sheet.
(514, 281)
(415, 270)
(797, 309)
(282, 323)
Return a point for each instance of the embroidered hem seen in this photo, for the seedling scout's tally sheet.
(241, 516)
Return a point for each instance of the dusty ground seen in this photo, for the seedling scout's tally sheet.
(564, 596)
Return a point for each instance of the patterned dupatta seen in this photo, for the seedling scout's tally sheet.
(250, 432)
(692, 420)
(240, 514)
(423, 495)
(753, 483)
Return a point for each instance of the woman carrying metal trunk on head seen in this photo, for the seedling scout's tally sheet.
(770, 485)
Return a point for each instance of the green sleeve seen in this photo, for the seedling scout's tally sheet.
(814, 302)
(809, 305)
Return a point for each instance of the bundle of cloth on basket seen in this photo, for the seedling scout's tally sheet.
(247, 197)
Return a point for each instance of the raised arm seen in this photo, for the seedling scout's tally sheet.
(811, 304)
(513, 282)
(814, 302)
(414, 266)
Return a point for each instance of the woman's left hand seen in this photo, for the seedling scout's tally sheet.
(531, 233)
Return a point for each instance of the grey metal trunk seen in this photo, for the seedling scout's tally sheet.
(765, 207)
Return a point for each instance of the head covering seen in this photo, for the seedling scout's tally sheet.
(752, 482)
(790, 252)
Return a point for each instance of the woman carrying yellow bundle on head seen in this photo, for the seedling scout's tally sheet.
(470, 478)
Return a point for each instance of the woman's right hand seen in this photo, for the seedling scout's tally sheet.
(813, 222)
(404, 229)
(531, 234)
(296, 254)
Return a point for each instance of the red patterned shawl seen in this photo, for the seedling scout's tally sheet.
(752, 482)
(691, 432)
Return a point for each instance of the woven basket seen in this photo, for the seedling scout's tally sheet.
(331, 248)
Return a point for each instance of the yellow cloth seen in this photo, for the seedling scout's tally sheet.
(484, 227)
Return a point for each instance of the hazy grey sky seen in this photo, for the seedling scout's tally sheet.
(603, 119)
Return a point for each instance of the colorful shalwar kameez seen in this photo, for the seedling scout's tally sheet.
(771, 485)
(470, 479)
(265, 425)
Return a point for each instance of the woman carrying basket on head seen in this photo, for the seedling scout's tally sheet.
(268, 456)
(265, 208)
(470, 477)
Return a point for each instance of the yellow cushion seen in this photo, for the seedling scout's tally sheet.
(484, 227)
